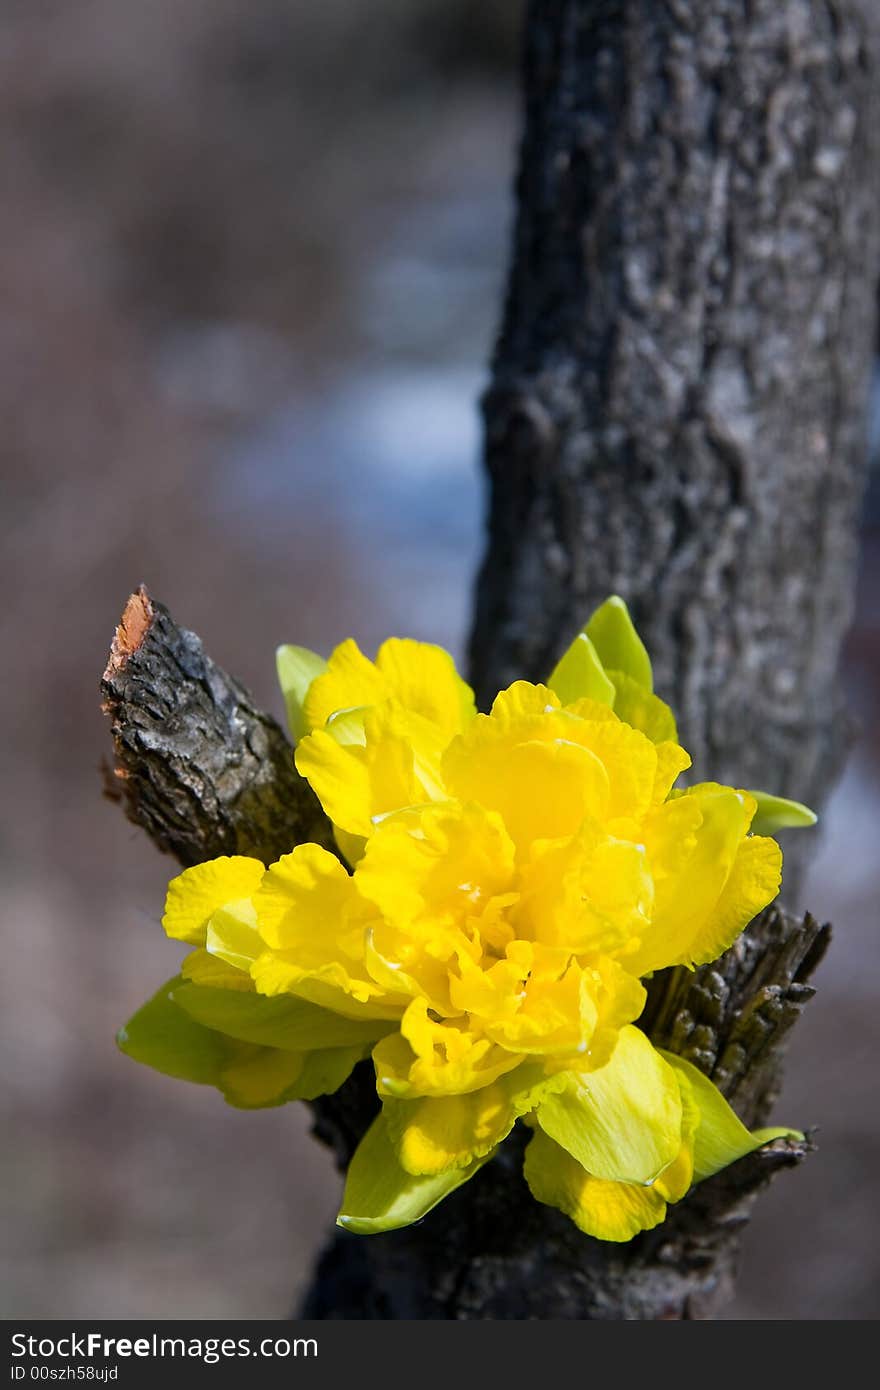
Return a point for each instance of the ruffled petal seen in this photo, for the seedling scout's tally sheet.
(356, 783)
(693, 843)
(431, 1058)
(196, 893)
(350, 680)
(424, 680)
(541, 789)
(591, 893)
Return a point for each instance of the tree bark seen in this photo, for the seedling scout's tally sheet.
(198, 766)
(676, 415)
(677, 404)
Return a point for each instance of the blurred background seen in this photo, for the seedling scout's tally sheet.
(251, 259)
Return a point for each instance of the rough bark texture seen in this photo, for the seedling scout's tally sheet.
(676, 411)
(197, 764)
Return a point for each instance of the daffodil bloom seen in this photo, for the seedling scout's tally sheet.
(504, 884)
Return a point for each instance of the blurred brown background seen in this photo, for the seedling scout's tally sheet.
(251, 254)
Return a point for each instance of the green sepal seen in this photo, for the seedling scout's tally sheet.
(642, 710)
(163, 1036)
(579, 674)
(381, 1196)
(297, 667)
(778, 813)
(282, 1021)
(721, 1137)
(619, 646)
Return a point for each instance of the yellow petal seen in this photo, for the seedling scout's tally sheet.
(521, 700)
(314, 922)
(232, 934)
(307, 902)
(428, 1058)
(608, 1210)
(590, 893)
(542, 790)
(350, 680)
(433, 1134)
(196, 893)
(630, 762)
(752, 884)
(622, 1122)
(671, 761)
(357, 783)
(556, 1012)
(424, 680)
(330, 986)
(437, 866)
(693, 842)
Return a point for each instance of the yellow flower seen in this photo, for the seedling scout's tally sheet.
(511, 877)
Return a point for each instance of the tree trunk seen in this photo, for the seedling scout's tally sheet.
(677, 404)
(676, 415)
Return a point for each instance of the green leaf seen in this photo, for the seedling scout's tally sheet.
(381, 1196)
(637, 706)
(619, 646)
(579, 674)
(297, 667)
(164, 1036)
(777, 813)
(623, 1121)
(721, 1137)
(280, 1021)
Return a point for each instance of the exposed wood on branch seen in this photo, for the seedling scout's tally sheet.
(197, 764)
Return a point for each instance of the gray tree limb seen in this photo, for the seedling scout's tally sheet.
(197, 765)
